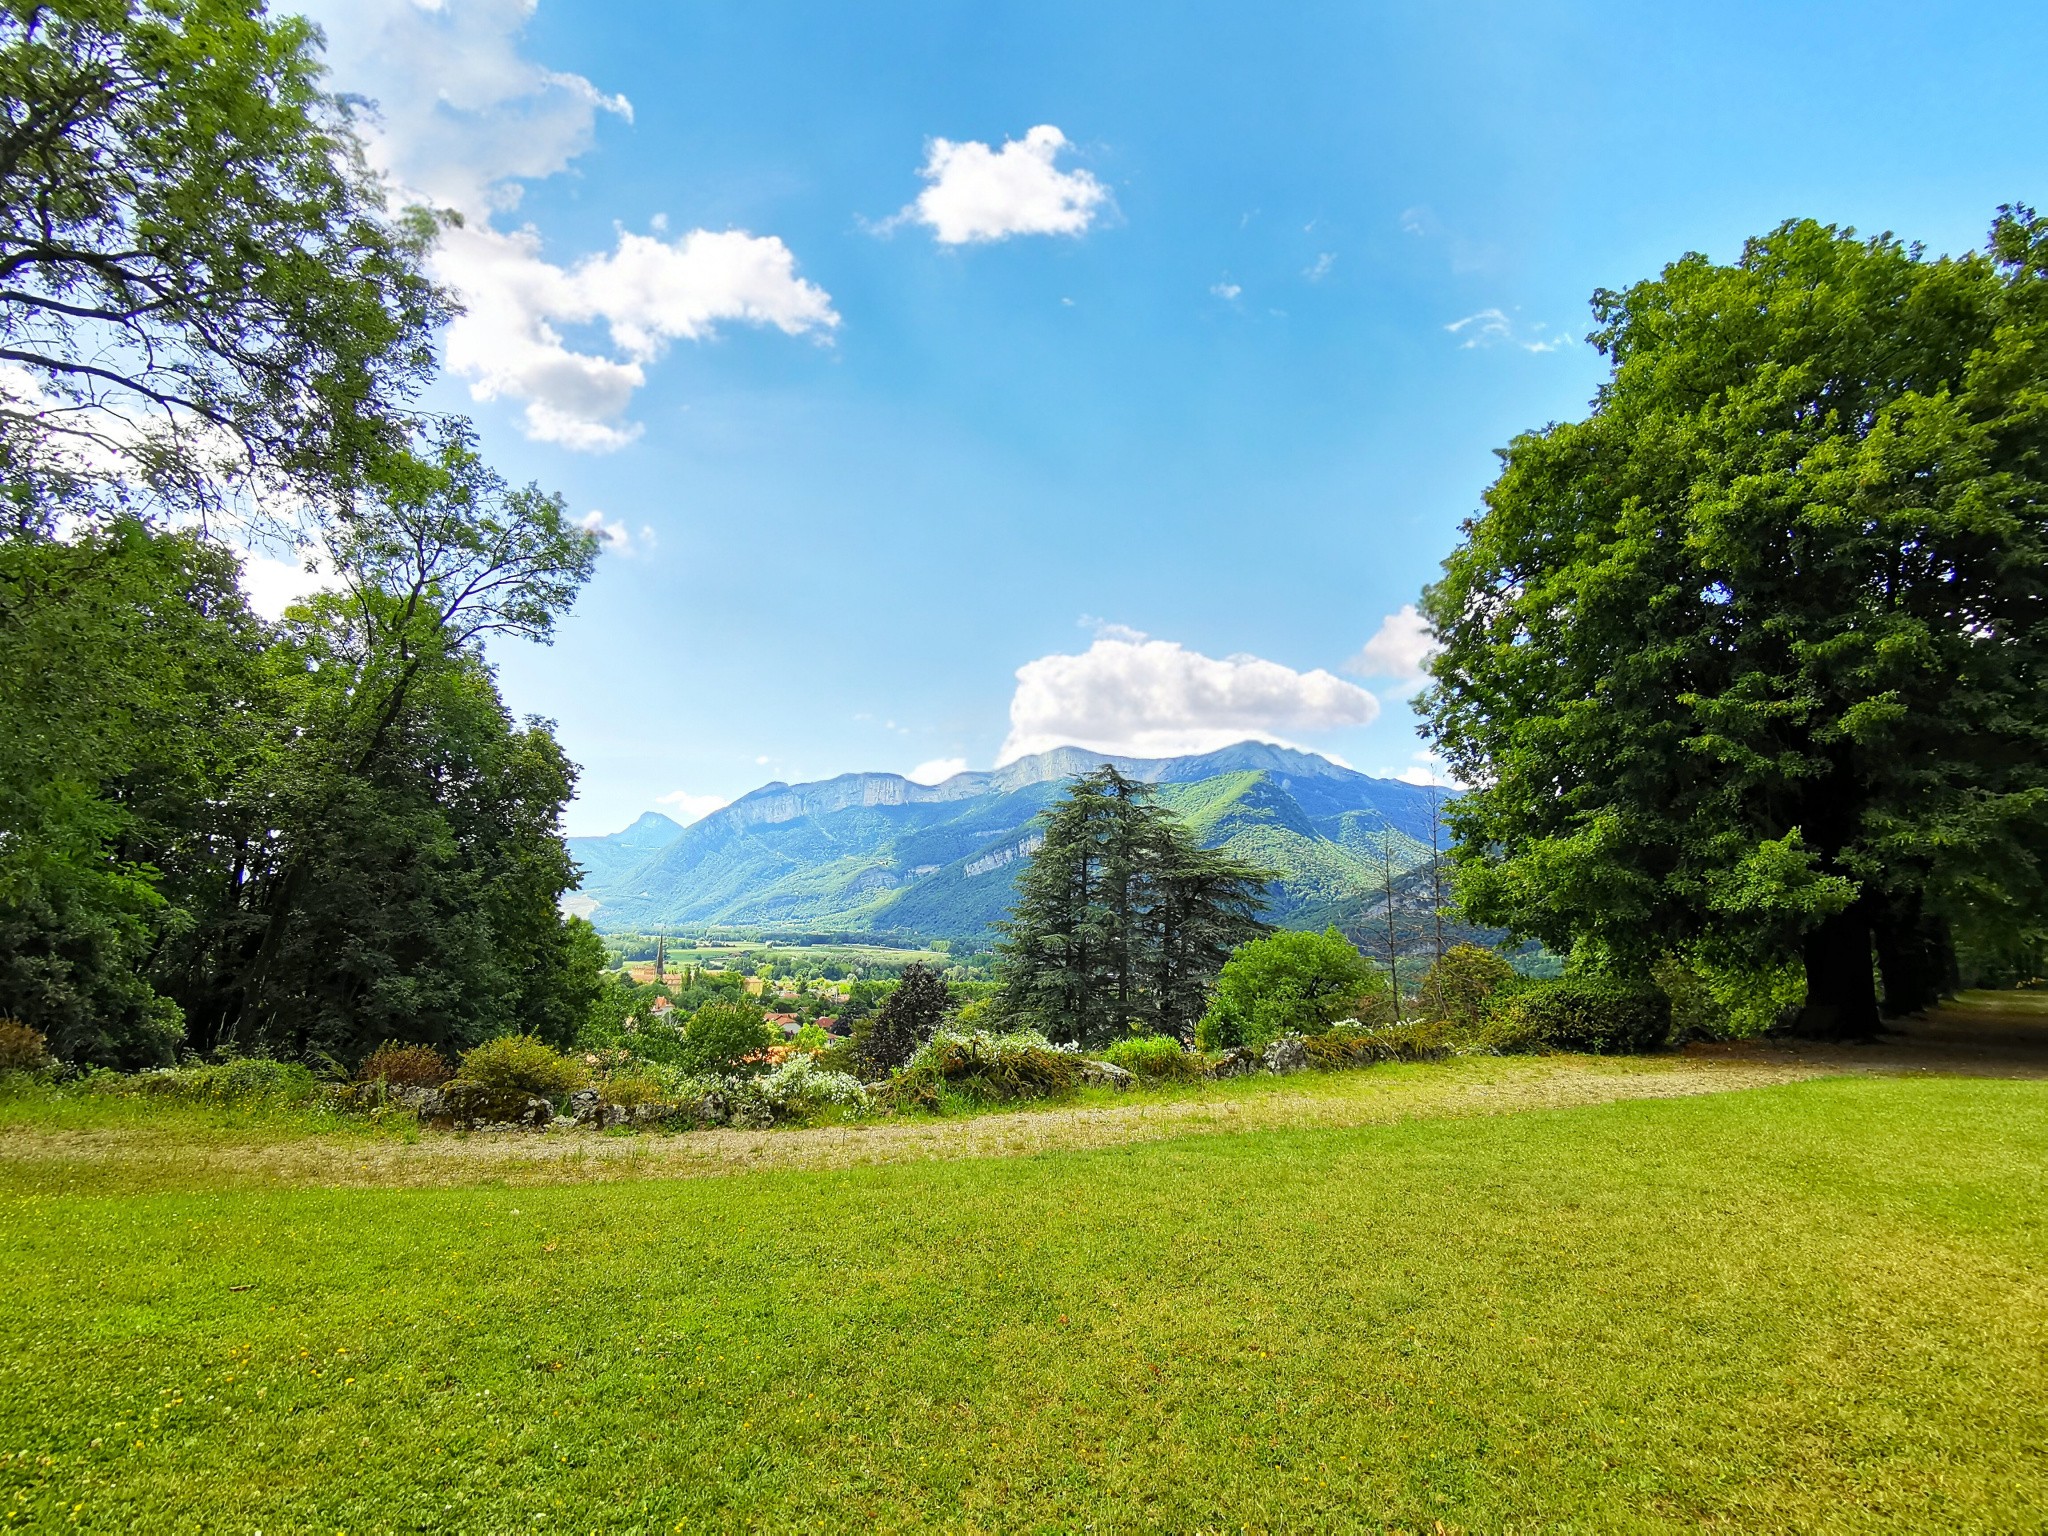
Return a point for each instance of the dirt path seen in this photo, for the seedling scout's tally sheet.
(131, 1158)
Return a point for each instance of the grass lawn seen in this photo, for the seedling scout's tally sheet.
(1822, 1305)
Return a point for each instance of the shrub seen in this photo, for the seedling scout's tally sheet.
(1154, 1057)
(634, 1087)
(1286, 983)
(1579, 1013)
(800, 1086)
(1351, 1044)
(986, 1068)
(1463, 982)
(522, 1064)
(836, 1057)
(721, 1036)
(22, 1049)
(890, 1036)
(1711, 1002)
(243, 1080)
(405, 1066)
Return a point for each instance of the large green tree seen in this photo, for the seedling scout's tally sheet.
(202, 292)
(1751, 659)
(1122, 919)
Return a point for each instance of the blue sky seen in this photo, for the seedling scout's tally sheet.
(922, 439)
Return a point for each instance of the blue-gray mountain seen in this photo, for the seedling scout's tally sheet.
(873, 852)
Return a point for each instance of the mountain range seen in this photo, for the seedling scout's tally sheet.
(878, 853)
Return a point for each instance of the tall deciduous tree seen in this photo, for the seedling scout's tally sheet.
(1121, 918)
(199, 278)
(1751, 659)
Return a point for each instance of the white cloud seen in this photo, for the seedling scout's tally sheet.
(1320, 268)
(686, 807)
(464, 120)
(937, 771)
(1493, 328)
(1399, 648)
(272, 585)
(978, 193)
(611, 533)
(1226, 291)
(1153, 698)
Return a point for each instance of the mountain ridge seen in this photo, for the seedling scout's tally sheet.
(881, 852)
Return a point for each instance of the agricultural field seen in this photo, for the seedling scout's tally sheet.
(1755, 1288)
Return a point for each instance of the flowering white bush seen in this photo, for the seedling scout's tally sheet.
(800, 1083)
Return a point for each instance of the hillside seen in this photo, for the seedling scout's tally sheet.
(876, 852)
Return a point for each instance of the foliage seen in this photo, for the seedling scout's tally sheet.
(984, 1068)
(239, 1080)
(1287, 983)
(22, 1049)
(522, 1064)
(405, 1066)
(201, 274)
(1710, 1002)
(721, 1037)
(1120, 915)
(1153, 1057)
(800, 1086)
(1750, 662)
(1581, 1013)
(1463, 982)
(635, 1087)
(1349, 1044)
(887, 1038)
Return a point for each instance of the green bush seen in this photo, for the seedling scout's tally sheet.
(1711, 1002)
(1153, 1057)
(1463, 982)
(405, 1066)
(1287, 983)
(984, 1068)
(1349, 1044)
(1577, 1013)
(522, 1064)
(243, 1080)
(633, 1088)
(721, 1037)
(22, 1049)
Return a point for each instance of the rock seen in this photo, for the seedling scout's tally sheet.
(1106, 1074)
(478, 1106)
(1287, 1054)
(582, 1099)
(1235, 1062)
(427, 1103)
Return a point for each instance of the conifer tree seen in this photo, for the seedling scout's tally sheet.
(1122, 920)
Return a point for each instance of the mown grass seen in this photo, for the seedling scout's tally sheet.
(1819, 1306)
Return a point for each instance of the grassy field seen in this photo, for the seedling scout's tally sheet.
(1815, 1306)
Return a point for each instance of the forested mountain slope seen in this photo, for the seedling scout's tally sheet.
(874, 851)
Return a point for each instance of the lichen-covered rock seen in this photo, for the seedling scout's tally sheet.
(1287, 1054)
(480, 1106)
(428, 1103)
(582, 1099)
(1106, 1074)
(1235, 1062)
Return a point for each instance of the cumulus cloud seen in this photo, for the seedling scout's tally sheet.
(686, 807)
(1399, 649)
(1152, 698)
(978, 193)
(647, 291)
(463, 120)
(1226, 291)
(1495, 328)
(937, 771)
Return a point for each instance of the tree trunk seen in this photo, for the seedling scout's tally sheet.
(1915, 957)
(1841, 992)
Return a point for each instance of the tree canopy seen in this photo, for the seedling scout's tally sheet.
(215, 832)
(1122, 919)
(199, 278)
(1750, 660)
